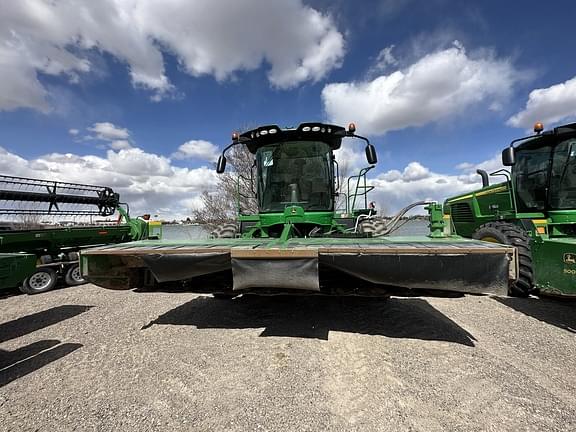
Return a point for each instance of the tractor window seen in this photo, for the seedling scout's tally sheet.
(563, 180)
(295, 173)
(531, 178)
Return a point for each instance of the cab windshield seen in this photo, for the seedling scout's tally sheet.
(563, 176)
(545, 176)
(295, 173)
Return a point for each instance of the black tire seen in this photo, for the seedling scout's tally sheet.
(375, 226)
(228, 230)
(510, 234)
(223, 296)
(42, 280)
(73, 276)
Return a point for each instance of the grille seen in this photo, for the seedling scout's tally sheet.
(461, 212)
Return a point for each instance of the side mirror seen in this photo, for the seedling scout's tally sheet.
(371, 154)
(508, 156)
(221, 165)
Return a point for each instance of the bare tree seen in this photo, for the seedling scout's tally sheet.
(234, 191)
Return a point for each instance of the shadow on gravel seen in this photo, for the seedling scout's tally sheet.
(314, 317)
(10, 292)
(24, 360)
(18, 363)
(30, 323)
(558, 312)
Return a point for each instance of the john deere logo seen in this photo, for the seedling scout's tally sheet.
(569, 258)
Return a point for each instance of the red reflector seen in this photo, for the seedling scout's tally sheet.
(102, 232)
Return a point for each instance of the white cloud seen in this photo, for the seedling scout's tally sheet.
(296, 42)
(197, 149)
(550, 105)
(136, 162)
(439, 85)
(468, 169)
(415, 171)
(116, 137)
(396, 189)
(384, 60)
(108, 132)
(120, 145)
(350, 158)
(148, 182)
(73, 132)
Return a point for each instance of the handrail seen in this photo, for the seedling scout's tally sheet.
(365, 188)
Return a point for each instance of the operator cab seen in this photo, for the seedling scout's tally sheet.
(544, 173)
(295, 166)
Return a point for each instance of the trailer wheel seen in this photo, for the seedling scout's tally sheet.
(73, 276)
(375, 226)
(228, 230)
(42, 280)
(510, 234)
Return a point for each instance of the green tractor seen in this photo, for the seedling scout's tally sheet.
(298, 243)
(534, 210)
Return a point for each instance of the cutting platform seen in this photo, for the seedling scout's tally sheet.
(353, 266)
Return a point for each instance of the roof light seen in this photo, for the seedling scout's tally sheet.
(351, 128)
(272, 131)
(316, 129)
(263, 132)
(306, 129)
(538, 127)
(235, 136)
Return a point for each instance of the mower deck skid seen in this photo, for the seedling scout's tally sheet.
(367, 266)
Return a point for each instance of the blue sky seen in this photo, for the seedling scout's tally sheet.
(440, 86)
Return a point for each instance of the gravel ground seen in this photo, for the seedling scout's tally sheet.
(89, 359)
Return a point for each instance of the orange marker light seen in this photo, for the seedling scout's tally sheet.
(351, 128)
(538, 127)
(234, 136)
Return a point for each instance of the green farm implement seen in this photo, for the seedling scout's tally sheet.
(534, 210)
(298, 244)
(34, 258)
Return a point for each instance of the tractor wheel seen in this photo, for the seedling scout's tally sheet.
(375, 226)
(73, 276)
(228, 230)
(42, 280)
(510, 234)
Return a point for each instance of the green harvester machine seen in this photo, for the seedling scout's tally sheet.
(35, 258)
(298, 243)
(534, 210)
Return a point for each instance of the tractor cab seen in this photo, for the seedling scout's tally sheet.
(544, 171)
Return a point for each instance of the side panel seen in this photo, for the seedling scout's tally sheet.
(477, 274)
(14, 268)
(555, 264)
(476, 208)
